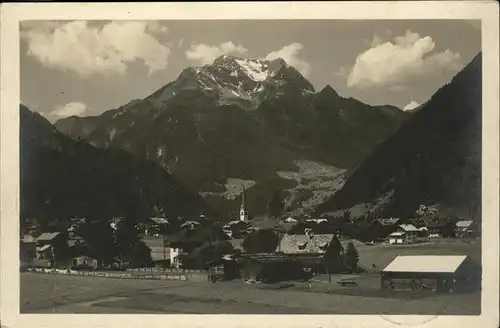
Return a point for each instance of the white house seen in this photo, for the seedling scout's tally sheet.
(405, 234)
(174, 257)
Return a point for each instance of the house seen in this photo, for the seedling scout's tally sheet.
(308, 243)
(382, 228)
(27, 249)
(404, 234)
(160, 254)
(154, 226)
(46, 244)
(439, 273)
(436, 226)
(191, 225)
(84, 262)
(465, 229)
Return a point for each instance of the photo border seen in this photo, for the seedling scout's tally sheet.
(12, 13)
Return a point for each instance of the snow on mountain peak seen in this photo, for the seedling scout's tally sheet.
(254, 69)
(236, 79)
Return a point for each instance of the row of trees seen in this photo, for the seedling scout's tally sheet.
(108, 245)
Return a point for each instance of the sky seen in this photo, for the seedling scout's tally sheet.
(84, 68)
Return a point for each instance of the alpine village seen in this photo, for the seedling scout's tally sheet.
(240, 170)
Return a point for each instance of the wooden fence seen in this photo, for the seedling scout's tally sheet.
(115, 275)
(167, 270)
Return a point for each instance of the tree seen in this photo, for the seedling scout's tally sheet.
(333, 256)
(276, 206)
(201, 255)
(99, 239)
(129, 244)
(260, 241)
(140, 255)
(352, 256)
(346, 216)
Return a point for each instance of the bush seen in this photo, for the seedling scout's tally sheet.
(260, 241)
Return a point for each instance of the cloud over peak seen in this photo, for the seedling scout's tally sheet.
(205, 54)
(89, 49)
(407, 57)
(292, 55)
(75, 108)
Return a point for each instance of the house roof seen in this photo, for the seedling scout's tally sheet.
(47, 236)
(267, 223)
(425, 263)
(397, 234)
(464, 224)
(297, 244)
(28, 239)
(190, 223)
(83, 257)
(159, 220)
(43, 248)
(387, 221)
(408, 227)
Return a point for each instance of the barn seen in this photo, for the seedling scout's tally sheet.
(439, 273)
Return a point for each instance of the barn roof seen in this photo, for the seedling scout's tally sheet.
(464, 224)
(159, 220)
(47, 236)
(425, 263)
(408, 227)
(43, 248)
(28, 239)
(297, 244)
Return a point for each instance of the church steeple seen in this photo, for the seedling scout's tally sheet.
(243, 211)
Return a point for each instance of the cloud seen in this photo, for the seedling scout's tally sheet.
(87, 48)
(71, 109)
(342, 72)
(291, 54)
(205, 54)
(406, 58)
(412, 105)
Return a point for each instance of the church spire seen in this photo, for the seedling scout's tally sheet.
(243, 211)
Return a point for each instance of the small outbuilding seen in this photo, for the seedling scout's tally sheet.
(84, 262)
(464, 229)
(439, 273)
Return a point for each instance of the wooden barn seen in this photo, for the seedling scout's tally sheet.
(439, 273)
(275, 267)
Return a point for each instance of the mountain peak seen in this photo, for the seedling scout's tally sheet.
(242, 81)
(329, 91)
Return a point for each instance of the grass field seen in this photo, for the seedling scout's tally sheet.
(70, 294)
(41, 293)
